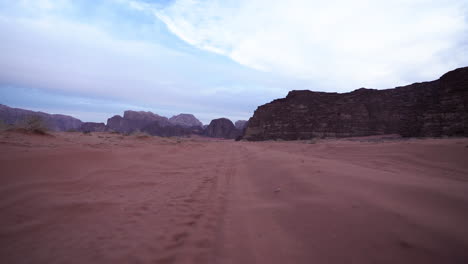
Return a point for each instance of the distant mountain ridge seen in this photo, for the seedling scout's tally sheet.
(134, 120)
(429, 109)
(151, 123)
(131, 121)
(57, 122)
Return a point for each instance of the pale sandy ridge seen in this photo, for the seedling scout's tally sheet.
(107, 198)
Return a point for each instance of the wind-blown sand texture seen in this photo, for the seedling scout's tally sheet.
(107, 198)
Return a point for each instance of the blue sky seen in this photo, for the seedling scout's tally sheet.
(217, 58)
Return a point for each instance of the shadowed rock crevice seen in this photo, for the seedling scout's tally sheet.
(93, 127)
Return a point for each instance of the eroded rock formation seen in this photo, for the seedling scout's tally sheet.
(15, 116)
(154, 124)
(185, 120)
(437, 108)
(135, 120)
(222, 128)
(155, 129)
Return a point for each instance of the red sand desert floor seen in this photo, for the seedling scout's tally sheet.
(107, 198)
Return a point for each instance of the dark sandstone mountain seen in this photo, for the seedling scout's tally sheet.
(154, 124)
(241, 124)
(134, 121)
(54, 122)
(92, 127)
(222, 128)
(156, 129)
(185, 120)
(437, 108)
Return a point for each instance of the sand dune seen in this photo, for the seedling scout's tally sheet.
(107, 198)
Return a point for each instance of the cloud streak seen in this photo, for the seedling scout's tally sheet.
(341, 44)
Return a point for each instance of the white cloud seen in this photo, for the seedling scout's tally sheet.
(59, 55)
(339, 43)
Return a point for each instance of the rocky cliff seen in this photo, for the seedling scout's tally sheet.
(54, 122)
(154, 124)
(156, 129)
(185, 120)
(222, 128)
(437, 108)
(134, 120)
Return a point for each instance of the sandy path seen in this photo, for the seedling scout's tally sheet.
(111, 199)
(336, 207)
(117, 201)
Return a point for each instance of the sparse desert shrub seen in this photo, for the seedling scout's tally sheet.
(311, 141)
(4, 126)
(87, 132)
(72, 130)
(34, 124)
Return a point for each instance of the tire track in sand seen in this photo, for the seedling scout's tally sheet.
(201, 214)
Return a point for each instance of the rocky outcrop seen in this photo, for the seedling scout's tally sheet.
(429, 109)
(92, 127)
(155, 129)
(55, 122)
(185, 120)
(134, 121)
(241, 124)
(154, 124)
(222, 128)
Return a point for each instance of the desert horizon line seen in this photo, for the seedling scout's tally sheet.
(207, 121)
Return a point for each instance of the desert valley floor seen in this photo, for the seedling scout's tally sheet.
(108, 198)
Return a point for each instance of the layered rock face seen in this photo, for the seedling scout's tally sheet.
(54, 122)
(241, 124)
(92, 127)
(222, 128)
(134, 120)
(185, 120)
(437, 108)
